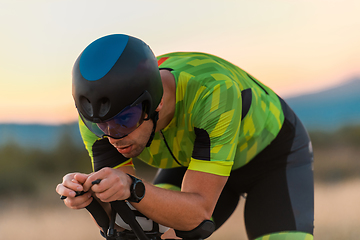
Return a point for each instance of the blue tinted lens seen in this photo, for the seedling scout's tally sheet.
(129, 117)
(123, 123)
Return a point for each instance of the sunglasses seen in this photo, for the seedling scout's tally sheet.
(122, 124)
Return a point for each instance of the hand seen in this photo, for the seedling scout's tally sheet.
(114, 185)
(170, 234)
(72, 183)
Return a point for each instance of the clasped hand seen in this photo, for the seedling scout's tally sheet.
(114, 185)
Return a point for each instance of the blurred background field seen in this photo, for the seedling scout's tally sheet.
(31, 209)
(337, 216)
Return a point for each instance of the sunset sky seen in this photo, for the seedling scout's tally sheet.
(294, 47)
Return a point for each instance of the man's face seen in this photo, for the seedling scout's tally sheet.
(134, 143)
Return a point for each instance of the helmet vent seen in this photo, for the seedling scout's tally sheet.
(86, 106)
(104, 107)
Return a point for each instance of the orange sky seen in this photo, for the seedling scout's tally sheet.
(294, 47)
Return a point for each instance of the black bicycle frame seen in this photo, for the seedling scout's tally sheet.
(204, 230)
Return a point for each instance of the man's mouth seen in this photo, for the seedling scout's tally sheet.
(125, 149)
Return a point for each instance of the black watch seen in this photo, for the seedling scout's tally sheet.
(137, 190)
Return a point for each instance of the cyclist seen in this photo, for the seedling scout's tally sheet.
(213, 130)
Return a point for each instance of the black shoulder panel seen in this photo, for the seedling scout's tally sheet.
(201, 149)
(105, 155)
(246, 96)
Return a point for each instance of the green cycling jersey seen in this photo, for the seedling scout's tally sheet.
(223, 117)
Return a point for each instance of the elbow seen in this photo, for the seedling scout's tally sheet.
(196, 220)
(203, 211)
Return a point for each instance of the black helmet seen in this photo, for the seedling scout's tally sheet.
(112, 75)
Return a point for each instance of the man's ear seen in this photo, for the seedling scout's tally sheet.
(160, 106)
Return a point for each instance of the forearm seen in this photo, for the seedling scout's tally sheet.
(178, 210)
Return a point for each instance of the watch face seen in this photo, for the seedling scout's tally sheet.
(139, 189)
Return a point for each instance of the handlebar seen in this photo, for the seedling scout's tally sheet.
(203, 231)
(128, 216)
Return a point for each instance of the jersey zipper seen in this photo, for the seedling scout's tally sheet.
(167, 146)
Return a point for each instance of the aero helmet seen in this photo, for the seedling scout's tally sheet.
(116, 85)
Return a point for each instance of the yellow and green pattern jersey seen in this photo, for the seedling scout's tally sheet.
(208, 132)
(223, 118)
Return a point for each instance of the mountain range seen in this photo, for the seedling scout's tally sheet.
(326, 110)
(329, 109)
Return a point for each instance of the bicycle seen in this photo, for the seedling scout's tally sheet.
(203, 231)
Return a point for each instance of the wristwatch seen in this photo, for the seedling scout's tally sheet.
(137, 190)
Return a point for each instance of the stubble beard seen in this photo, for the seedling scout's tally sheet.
(135, 151)
(137, 145)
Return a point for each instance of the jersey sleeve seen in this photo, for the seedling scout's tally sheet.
(216, 118)
(101, 152)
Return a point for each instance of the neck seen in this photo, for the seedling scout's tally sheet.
(167, 111)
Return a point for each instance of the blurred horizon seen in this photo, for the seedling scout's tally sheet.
(293, 47)
(339, 110)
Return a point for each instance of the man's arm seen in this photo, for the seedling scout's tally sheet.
(183, 210)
